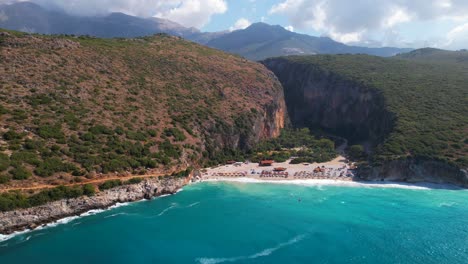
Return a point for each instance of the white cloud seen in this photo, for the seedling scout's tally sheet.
(361, 20)
(457, 38)
(241, 23)
(290, 28)
(190, 13)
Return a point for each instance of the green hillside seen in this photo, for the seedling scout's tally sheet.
(81, 107)
(429, 100)
(431, 55)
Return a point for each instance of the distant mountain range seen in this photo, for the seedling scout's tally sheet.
(259, 41)
(30, 17)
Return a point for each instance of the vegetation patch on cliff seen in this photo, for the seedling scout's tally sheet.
(428, 100)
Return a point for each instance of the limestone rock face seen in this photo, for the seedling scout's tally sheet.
(36, 216)
(320, 99)
(324, 100)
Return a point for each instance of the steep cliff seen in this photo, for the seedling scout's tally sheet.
(33, 217)
(77, 106)
(318, 98)
(410, 115)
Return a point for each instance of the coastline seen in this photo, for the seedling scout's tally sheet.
(342, 183)
(17, 222)
(65, 220)
(22, 221)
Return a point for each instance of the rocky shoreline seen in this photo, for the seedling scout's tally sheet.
(414, 171)
(31, 218)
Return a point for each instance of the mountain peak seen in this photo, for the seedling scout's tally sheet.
(262, 25)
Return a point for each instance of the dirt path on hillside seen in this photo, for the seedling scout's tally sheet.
(95, 181)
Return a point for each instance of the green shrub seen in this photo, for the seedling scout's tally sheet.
(100, 129)
(110, 184)
(176, 133)
(356, 152)
(12, 200)
(53, 165)
(22, 156)
(89, 190)
(12, 135)
(51, 131)
(3, 110)
(20, 173)
(55, 194)
(4, 162)
(4, 179)
(134, 181)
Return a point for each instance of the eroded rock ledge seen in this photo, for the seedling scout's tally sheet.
(33, 217)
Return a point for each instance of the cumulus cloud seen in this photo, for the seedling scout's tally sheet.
(457, 38)
(357, 20)
(241, 23)
(191, 13)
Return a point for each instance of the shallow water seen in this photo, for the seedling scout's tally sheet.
(261, 223)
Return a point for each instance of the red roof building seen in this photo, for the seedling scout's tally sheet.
(266, 162)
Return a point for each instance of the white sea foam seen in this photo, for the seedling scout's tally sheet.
(167, 209)
(117, 205)
(10, 236)
(263, 253)
(62, 221)
(114, 215)
(191, 205)
(319, 183)
(93, 212)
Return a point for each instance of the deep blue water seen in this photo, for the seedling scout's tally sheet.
(262, 223)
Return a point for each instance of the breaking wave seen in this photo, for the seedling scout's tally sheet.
(263, 253)
(167, 209)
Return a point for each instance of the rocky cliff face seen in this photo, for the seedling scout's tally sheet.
(414, 170)
(33, 217)
(321, 99)
(249, 128)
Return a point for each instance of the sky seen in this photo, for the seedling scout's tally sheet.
(374, 23)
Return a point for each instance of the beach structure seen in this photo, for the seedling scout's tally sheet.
(230, 162)
(279, 169)
(265, 163)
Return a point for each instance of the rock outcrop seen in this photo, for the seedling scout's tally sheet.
(320, 99)
(33, 217)
(415, 170)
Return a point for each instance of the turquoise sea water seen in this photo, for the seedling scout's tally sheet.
(261, 223)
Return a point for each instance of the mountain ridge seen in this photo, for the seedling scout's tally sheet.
(30, 17)
(260, 41)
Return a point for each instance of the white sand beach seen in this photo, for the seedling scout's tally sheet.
(336, 169)
(333, 173)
